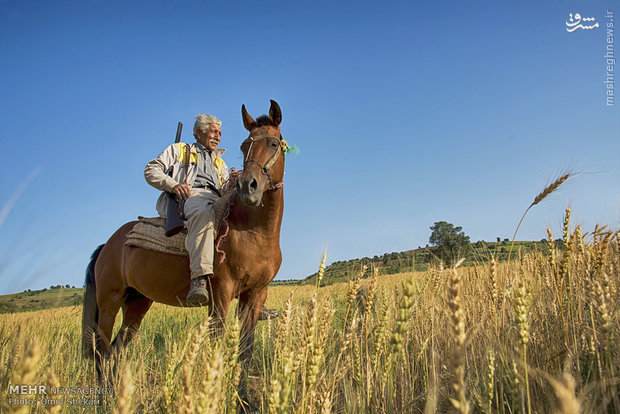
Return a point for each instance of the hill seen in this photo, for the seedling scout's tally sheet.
(340, 271)
(40, 299)
(420, 259)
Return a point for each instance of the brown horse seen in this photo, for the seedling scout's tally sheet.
(132, 278)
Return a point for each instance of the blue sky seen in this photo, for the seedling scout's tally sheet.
(404, 114)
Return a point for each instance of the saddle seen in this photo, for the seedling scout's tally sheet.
(149, 232)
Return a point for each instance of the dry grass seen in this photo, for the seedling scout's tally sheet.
(532, 335)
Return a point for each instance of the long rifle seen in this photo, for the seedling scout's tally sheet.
(174, 222)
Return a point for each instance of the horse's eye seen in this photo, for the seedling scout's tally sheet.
(274, 144)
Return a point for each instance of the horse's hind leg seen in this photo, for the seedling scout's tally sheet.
(109, 306)
(135, 307)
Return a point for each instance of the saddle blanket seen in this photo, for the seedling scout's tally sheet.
(150, 232)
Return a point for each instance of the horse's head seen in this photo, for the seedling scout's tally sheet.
(263, 161)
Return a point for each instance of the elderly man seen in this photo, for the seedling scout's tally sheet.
(198, 185)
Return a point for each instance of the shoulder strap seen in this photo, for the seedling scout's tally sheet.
(188, 158)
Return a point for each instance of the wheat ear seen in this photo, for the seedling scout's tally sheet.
(29, 370)
(127, 389)
(540, 197)
(457, 320)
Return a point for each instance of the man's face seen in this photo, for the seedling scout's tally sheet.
(210, 137)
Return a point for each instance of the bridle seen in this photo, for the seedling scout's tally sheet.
(264, 169)
(270, 162)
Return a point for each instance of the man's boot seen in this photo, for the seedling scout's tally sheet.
(198, 294)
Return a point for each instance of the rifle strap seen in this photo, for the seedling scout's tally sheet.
(188, 158)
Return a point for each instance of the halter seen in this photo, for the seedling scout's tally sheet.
(264, 168)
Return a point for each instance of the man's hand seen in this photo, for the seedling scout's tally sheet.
(234, 172)
(182, 191)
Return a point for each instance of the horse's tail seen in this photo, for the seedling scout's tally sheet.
(90, 312)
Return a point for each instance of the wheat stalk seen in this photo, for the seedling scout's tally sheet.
(29, 370)
(457, 320)
(540, 197)
(52, 382)
(380, 335)
(212, 395)
(187, 405)
(522, 309)
(312, 348)
(371, 295)
(568, 246)
(565, 391)
(490, 380)
(319, 277)
(127, 388)
(404, 310)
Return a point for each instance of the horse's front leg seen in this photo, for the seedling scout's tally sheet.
(221, 294)
(250, 305)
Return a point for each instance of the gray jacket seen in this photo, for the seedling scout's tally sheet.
(173, 159)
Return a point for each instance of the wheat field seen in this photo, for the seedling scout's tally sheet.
(538, 334)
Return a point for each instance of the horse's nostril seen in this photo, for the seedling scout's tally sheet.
(253, 185)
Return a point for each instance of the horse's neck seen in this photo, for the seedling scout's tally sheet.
(265, 218)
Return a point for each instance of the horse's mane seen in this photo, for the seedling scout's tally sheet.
(263, 120)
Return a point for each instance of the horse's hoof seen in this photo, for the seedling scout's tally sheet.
(266, 314)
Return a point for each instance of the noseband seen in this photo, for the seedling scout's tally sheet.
(270, 162)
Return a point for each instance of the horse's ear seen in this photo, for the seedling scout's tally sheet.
(275, 113)
(248, 121)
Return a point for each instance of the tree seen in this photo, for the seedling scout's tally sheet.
(451, 242)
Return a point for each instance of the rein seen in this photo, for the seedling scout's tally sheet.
(272, 160)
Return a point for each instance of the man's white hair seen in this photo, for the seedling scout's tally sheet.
(203, 121)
